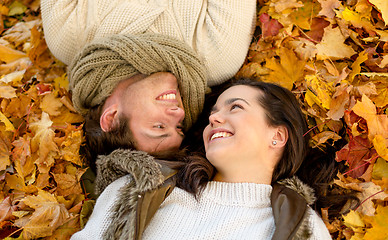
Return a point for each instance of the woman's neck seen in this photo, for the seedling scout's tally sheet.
(259, 178)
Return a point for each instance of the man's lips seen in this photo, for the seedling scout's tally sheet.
(169, 95)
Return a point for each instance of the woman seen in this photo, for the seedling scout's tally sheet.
(255, 141)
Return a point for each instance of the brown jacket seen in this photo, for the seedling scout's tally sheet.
(152, 183)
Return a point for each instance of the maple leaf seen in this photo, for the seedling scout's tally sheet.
(21, 155)
(381, 145)
(377, 124)
(8, 125)
(328, 7)
(289, 70)
(7, 92)
(332, 45)
(9, 55)
(380, 169)
(51, 104)
(6, 209)
(379, 230)
(4, 152)
(269, 27)
(70, 147)
(43, 142)
(357, 153)
(382, 6)
(48, 215)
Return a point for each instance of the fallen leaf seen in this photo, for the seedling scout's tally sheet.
(380, 169)
(289, 70)
(332, 45)
(382, 6)
(48, 215)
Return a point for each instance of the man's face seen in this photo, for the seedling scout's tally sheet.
(154, 107)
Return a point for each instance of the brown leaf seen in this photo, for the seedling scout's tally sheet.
(48, 215)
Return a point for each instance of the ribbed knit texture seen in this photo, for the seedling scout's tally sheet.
(102, 64)
(220, 31)
(224, 211)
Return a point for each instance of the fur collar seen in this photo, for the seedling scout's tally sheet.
(147, 175)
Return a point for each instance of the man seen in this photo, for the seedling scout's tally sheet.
(129, 89)
(220, 32)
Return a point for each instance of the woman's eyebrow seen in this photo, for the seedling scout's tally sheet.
(228, 102)
(232, 100)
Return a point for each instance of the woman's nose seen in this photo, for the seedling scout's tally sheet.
(215, 118)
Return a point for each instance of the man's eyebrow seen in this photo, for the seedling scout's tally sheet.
(228, 102)
(158, 136)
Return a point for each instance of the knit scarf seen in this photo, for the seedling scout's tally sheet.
(101, 65)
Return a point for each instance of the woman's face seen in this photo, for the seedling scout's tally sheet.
(238, 134)
(154, 107)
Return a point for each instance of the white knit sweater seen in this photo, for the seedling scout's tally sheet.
(224, 211)
(219, 30)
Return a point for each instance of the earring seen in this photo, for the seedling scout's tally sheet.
(274, 143)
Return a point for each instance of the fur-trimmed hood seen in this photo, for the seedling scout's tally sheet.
(290, 197)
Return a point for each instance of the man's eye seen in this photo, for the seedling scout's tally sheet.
(159, 126)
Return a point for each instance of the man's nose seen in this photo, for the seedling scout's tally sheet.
(177, 112)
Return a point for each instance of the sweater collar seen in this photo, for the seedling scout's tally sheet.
(238, 194)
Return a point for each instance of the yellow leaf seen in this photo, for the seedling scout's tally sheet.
(379, 230)
(353, 220)
(377, 124)
(321, 89)
(48, 215)
(8, 125)
(51, 104)
(333, 46)
(13, 78)
(4, 153)
(3, 10)
(356, 19)
(322, 137)
(381, 146)
(67, 184)
(7, 92)
(16, 8)
(380, 169)
(288, 71)
(9, 55)
(61, 81)
(356, 68)
(70, 147)
(43, 142)
(381, 98)
(338, 102)
(382, 6)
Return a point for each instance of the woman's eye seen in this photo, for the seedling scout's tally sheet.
(235, 106)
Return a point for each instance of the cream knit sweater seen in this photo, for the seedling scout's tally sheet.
(224, 211)
(219, 30)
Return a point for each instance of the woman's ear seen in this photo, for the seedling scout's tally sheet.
(280, 137)
(109, 117)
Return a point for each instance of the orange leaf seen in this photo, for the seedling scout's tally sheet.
(47, 217)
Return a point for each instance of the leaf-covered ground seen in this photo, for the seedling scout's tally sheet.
(332, 54)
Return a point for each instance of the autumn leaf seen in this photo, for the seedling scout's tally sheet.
(377, 124)
(287, 71)
(380, 169)
(358, 154)
(43, 143)
(51, 104)
(381, 145)
(382, 6)
(48, 215)
(9, 55)
(328, 6)
(332, 45)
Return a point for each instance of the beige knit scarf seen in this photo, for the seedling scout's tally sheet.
(102, 64)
